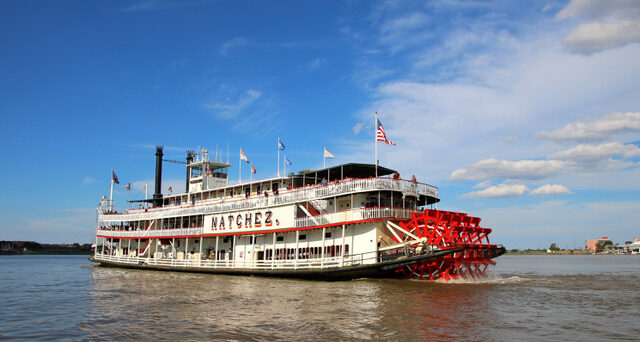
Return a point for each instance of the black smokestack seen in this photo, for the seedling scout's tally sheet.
(190, 156)
(157, 196)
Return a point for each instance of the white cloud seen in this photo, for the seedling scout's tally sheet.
(606, 127)
(598, 9)
(550, 189)
(613, 24)
(593, 37)
(357, 128)
(498, 191)
(402, 31)
(488, 93)
(231, 108)
(505, 169)
(590, 157)
(233, 43)
(482, 185)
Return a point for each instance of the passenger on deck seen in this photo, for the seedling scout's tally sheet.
(323, 181)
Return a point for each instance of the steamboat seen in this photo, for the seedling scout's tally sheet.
(341, 222)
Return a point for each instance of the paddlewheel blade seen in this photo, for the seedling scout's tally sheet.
(446, 229)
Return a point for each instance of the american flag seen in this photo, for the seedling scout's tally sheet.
(243, 156)
(114, 177)
(128, 186)
(253, 169)
(328, 154)
(381, 136)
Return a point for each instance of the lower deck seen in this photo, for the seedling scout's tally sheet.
(346, 245)
(321, 269)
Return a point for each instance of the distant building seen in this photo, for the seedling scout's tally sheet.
(591, 244)
(634, 247)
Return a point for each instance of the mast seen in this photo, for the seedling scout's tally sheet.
(111, 193)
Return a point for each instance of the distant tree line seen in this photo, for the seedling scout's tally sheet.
(30, 247)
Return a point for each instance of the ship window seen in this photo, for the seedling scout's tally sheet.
(327, 235)
(196, 171)
(225, 240)
(303, 237)
(279, 238)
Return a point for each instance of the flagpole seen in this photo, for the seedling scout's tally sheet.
(251, 175)
(146, 193)
(375, 141)
(278, 147)
(240, 169)
(324, 158)
(284, 164)
(111, 192)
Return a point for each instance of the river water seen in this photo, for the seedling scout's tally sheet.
(531, 298)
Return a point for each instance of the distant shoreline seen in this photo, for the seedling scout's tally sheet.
(35, 248)
(47, 253)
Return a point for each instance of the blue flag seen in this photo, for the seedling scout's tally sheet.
(287, 161)
(280, 145)
(114, 177)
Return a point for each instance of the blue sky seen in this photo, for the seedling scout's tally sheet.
(526, 114)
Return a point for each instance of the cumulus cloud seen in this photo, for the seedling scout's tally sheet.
(598, 157)
(498, 191)
(592, 37)
(504, 169)
(613, 24)
(550, 189)
(589, 153)
(606, 127)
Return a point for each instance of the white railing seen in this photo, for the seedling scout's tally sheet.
(150, 232)
(306, 193)
(290, 264)
(345, 216)
(352, 215)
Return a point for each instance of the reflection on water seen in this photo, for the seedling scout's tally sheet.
(530, 298)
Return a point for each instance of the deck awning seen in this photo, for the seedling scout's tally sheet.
(351, 170)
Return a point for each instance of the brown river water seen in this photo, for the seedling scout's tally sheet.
(530, 298)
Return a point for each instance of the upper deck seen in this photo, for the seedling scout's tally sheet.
(233, 198)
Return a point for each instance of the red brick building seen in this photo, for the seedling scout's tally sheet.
(591, 244)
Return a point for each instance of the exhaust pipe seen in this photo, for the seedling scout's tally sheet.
(157, 196)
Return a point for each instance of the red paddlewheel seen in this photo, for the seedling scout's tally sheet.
(446, 229)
